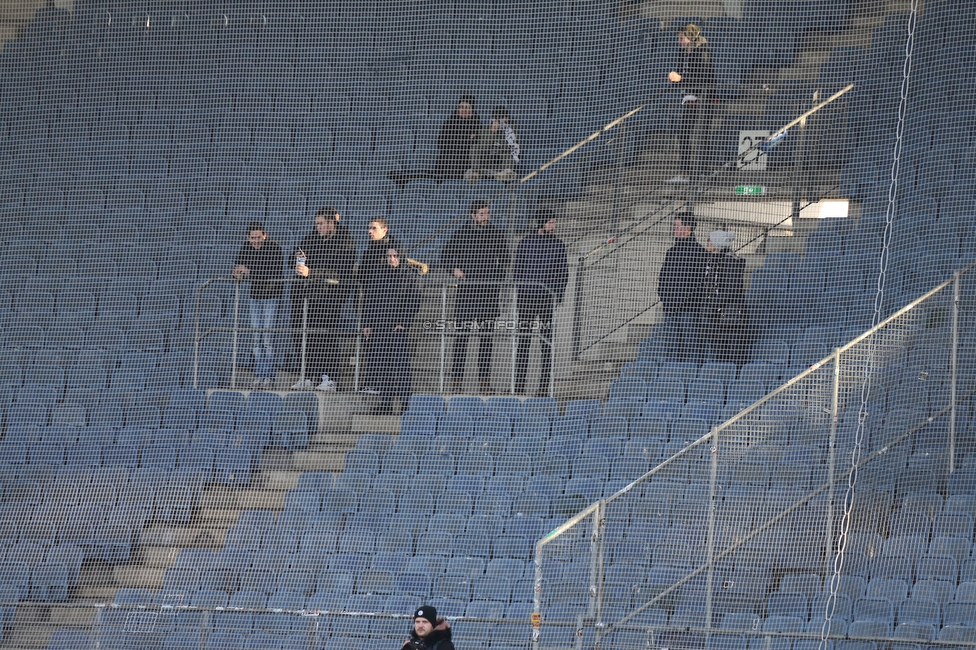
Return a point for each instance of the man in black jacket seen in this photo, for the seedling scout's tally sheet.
(679, 287)
(542, 271)
(260, 260)
(695, 77)
(478, 257)
(391, 300)
(724, 318)
(325, 259)
(454, 142)
(429, 632)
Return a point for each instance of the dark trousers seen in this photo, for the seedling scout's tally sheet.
(388, 363)
(532, 310)
(693, 126)
(324, 347)
(484, 340)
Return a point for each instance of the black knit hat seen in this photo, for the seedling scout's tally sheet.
(427, 612)
(542, 217)
(467, 99)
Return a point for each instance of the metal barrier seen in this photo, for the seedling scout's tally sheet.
(435, 323)
(805, 481)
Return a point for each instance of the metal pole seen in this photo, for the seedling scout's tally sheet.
(359, 344)
(955, 371)
(619, 180)
(832, 454)
(596, 569)
(515, 340)
(552, 349)
(304, 349)
(712, 508)
(233, 353)
(196, 343)
(577, 316)
(537, 598)
(440, 386)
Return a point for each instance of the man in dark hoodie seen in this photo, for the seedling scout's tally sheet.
(679, 286)
(390, 302)
(429, 632)
(454, 142)
(541, 269)
(326, 260)
(478, 257)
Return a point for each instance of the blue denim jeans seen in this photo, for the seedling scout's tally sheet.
(684, 338)
(264, 314)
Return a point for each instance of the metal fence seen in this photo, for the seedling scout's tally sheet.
(783, 509)
(435, 335)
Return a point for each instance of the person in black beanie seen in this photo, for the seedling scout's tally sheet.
(454, 142)
(541, 271)
(429, 632)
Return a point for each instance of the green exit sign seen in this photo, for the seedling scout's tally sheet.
(749, 190)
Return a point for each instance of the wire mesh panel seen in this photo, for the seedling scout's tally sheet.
(315, 314)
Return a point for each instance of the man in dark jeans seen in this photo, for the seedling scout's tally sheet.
(260, 261)
(478, 257)
(541, 271)
(325, 259)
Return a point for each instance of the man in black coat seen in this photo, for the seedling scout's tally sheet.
(478, 257)
(429, 632)
(325, 259)
(391, 300)
(542, 271)
(372, 262)
(454, 142)
(679, 286)
(724, 318)
(695, 77)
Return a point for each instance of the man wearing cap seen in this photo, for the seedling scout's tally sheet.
(724, 320)
(541, 271)
(679, 288)
(429, 632)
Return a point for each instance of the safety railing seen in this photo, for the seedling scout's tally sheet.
(806, 481)
(435, 330)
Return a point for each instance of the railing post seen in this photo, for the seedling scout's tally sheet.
(577, 315)
(235, 334)
(196, 342)
(443, 325)
(955, 371)
(359, 346)
(596, 568)
(537, 598)
(516, 336)
(304, 349)
(832, 454)
(712, 508)
(552, 348)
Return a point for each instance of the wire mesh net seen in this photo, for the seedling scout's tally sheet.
(313, 314)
